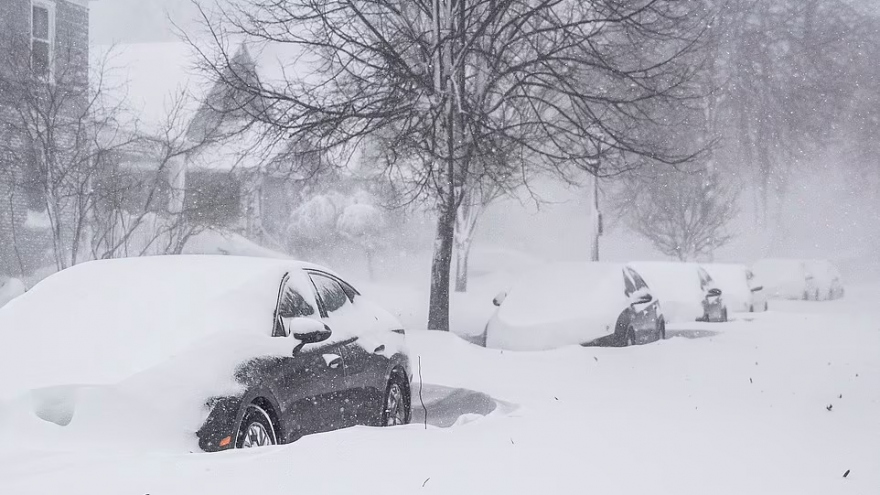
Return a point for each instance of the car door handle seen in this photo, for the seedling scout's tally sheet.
(332, 360)
(379, 349)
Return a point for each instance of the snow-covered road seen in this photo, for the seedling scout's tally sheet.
(779, 403)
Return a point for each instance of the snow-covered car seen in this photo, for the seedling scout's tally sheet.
(759, 293)
(826, 280)
(686, 291)
(741, 292)
(227, 352)
(576, 303)
(786, 278)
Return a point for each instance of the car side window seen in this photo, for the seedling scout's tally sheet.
(330, 292)
(630, 286)
(639, 281)
(291, 304)
(294, 305)
(705, 279)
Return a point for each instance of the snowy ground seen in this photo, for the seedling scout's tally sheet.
(779, 403)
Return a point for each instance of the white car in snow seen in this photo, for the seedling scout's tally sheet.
(742, 291)
(576, 303)
(203, 352)
(785, 278)
(808, 280)
(826, 279)
(686, 291)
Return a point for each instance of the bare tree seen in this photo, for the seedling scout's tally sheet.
(56, 127)
(781, 73)
(437, 83)
(685, 214)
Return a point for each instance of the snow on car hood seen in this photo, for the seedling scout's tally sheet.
(104, 321)
(560, 304)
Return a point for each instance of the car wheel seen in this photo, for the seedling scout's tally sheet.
(629, 338)
(723, 314)
(766, 306)
(661, 330)
(396, 409)
(752, 308)
(256, 429)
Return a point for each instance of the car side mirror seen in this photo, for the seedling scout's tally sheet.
(308, 331)
(714, 292)
(640, 296)
(756, 289)
(499, 299)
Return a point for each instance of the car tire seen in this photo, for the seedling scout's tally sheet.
(256, 429)
(766, 306)
(723, 315)
(752, 308)
(629, 338)
(396, 406)
(661, 330)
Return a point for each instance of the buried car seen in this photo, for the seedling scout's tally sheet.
(786, 278)
(686, 291)
(741, 290)
(827, 281)
(576, 303)
(232, 352)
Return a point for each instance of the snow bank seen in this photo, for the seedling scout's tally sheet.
(740, 409)
(10, 288)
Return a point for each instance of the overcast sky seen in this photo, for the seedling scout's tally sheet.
(136, 21)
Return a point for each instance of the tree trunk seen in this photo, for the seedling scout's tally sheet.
(594, 220)
(462, 253)
(438, 311)
(371, 275)
(438, 306)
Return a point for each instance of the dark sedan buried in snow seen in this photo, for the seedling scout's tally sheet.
(228, 352)
(576, 303)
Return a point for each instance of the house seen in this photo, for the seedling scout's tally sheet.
(225, 173)
(43, 44)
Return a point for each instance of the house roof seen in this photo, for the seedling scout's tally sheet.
(163, 92)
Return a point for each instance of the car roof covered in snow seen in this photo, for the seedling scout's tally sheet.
(101, 321)
(562, 291)
(671, 280)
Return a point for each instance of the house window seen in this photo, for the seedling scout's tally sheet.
(41, 39)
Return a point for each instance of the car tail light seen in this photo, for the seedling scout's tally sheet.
(225, 442)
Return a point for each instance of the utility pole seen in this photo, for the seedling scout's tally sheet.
(595, 220)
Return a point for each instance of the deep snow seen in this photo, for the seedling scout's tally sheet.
(741, 407)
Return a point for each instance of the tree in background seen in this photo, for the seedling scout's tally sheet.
(684, 214)
(437, 84)
(56, 126)
(363, 224)
(313, 224)
(781, 74)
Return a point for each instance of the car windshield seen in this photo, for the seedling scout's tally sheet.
(493, 247)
